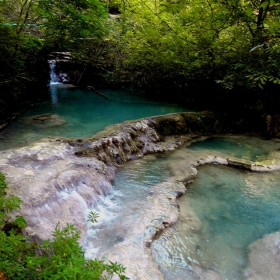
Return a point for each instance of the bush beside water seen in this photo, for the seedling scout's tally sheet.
(61, 258)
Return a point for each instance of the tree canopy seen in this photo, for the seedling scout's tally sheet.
(30, 29)
(180, 45)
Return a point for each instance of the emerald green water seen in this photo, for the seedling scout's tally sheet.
(234, 209)
(223, 211)
(85, 113)
(243, 147)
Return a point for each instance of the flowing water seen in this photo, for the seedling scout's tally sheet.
(84, 112)
(229, 209)
(54, 80)
(119, 211)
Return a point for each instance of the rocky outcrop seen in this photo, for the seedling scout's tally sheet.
(132, 140)
(264, 258)
(272, 125)
(65, 69)
(61, 180)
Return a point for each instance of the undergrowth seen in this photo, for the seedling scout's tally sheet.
(59, 258)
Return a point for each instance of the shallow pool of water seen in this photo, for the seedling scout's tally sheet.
(85, 112)
(121, 209)
(233, 209)
(248, 148)
(221, 214)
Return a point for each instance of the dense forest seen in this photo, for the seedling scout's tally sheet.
(215, 54)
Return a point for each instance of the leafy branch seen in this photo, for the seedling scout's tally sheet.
(60, 258)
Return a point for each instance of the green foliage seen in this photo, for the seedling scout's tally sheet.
(185, 45)
(30, 30)
(67, 24)
(60, 258)
(7, 205)
(92, 217)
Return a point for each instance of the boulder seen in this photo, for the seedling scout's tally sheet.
(264, 258)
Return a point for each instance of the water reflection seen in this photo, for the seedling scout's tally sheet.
(240, 147)
(53, 94)
(85, 112)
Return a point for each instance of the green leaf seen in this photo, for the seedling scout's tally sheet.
(20, 222)
(264, 4)
(92, 217)
(249, 11)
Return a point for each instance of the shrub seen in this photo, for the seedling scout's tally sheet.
(61, 258)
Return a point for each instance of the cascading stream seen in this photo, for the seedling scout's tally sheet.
(132, 213)
(54, 79)
(221, 214)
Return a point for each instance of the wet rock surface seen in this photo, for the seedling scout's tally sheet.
(54, 185)
(45, 120)
(61, 180)
(264, 258)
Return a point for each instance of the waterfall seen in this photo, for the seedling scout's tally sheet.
(54, 80)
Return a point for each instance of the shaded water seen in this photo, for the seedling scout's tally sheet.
(85, 113)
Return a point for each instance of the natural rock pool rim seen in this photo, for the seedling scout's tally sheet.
(61, 179)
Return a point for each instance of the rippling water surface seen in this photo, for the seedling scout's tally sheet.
(232, 209)
(222, 212)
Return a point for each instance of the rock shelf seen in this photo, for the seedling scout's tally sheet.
(61, 180)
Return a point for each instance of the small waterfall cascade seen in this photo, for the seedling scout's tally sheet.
(54, 79)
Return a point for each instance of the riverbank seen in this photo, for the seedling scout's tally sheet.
(62, 180)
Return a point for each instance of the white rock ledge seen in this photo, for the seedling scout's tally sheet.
(60, 180)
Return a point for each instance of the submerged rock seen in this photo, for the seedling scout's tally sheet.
(161, 212)
(45, 120)
(264, 258)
